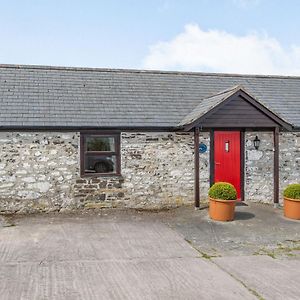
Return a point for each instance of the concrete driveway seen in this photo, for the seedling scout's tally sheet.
(130, 255)
(260, 249)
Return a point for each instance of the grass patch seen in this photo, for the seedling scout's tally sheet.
(287, 248)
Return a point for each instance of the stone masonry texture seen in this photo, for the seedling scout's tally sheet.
(289, 157)
(37, 171)
(259, 164)
(40, 171)
(259, 167)
(158, 169)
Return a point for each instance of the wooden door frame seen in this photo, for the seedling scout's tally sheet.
(242, 158)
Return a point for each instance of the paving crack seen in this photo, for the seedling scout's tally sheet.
(206, 256)
(252, 291)
(203, 254)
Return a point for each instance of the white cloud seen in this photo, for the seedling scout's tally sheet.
(219, 51)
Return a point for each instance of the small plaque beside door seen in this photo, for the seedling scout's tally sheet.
(202, 148)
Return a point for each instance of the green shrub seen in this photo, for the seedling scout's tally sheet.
(292, 191)
(223, 191)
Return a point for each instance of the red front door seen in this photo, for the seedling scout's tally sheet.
(228, 158)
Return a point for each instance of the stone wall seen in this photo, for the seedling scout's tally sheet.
(99, 192)
(259, 167)
(40, 172)
(37, 171)
(158, 169)
(259, 164)
(289, 157)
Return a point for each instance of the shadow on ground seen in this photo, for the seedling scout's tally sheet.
(242, 215)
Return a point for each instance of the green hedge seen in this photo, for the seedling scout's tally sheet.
(292, 191)
(223, 191)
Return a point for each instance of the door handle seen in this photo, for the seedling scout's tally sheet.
(217, 163)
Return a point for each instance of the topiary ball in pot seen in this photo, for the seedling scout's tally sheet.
(223, 191)
(292, 191)
(291, 201)
(222, 198)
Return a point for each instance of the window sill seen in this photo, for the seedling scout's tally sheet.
(100, 175)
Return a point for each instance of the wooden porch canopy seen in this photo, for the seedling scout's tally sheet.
(233, 108)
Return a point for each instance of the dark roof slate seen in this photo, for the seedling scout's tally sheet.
(41, 96)
(207, 104)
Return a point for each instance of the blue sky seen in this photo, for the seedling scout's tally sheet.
(240, 36)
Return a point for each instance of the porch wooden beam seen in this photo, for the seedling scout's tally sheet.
(197, 167)
(276, 165)
(242, 164)
(212, 157)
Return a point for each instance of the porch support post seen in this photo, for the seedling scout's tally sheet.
(197, 174)
(276, 165)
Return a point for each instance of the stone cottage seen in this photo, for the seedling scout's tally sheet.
(83, 137)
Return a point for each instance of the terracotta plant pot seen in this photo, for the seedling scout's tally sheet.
(221, 210)
(291, 208)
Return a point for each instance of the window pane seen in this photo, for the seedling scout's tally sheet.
(100, 164)
(98, 143)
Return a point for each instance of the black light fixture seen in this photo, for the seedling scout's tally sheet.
(256, 142)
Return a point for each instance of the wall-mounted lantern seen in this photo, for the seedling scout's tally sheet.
(256, 142)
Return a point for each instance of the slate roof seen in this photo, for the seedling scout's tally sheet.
(41, 96)
(207, 104)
